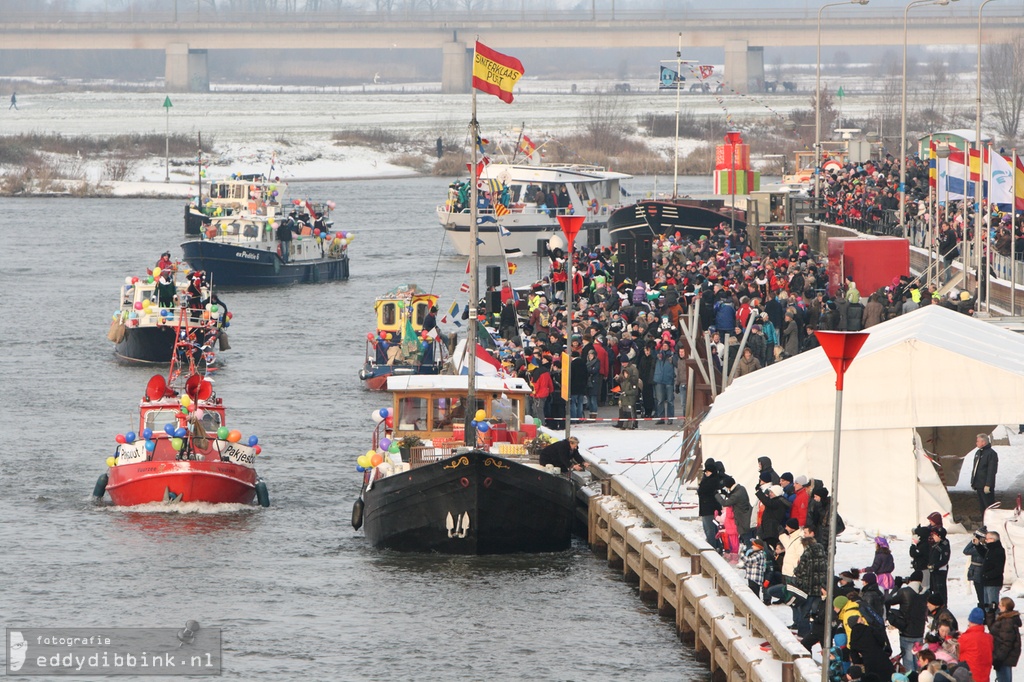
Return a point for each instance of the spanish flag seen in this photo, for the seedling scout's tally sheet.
(1018, 184)
(495, 73)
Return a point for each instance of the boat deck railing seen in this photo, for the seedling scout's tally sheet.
(422, 455)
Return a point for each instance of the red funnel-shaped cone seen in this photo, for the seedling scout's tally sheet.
(571, 225)
(841, 348)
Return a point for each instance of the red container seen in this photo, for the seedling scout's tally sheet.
(499, 433)
(529, 430)
(459, 433)
(872, 263)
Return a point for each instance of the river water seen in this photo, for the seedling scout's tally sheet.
(298, 593)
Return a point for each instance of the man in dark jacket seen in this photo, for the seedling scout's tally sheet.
(775, 514)
(867, 646)
(993, 561)
(809, 580)
(565, 454)
(764, 465)
(938, 561)
(707, 503)
(983, 474)
(909, 616)
(735, 495)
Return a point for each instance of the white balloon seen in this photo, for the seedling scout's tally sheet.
(377, 419)
(555, 242)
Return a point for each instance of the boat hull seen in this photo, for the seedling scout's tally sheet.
(472, 503)
(181, 481)
(231, 265)
(147, 345)
(690, 217)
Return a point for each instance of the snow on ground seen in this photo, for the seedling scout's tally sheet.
(855, 549)
(245, 129)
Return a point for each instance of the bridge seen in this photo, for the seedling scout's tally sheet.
(186, 38)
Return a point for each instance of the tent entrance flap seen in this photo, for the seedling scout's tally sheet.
(949, 446)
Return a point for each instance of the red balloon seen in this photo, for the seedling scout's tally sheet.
(257, 449)
(389, 422)
(316, 232)
(119, 438)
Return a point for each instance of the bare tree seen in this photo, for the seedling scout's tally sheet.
(604, 117)
(1003, 82)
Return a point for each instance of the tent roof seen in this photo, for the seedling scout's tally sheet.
(934, 325)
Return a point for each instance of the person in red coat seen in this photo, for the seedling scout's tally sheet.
(800, 500)
(976, 647)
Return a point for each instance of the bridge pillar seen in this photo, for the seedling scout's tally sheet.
(185, 70)
(456, 68)
(744, 66)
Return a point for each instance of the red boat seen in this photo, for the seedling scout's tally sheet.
(183, 451)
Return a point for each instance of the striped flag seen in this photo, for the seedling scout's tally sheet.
(495, 73)
(933, 172)
(454, 309)
(978, 162)
(500, 209)
(464, 288)
(1018, 184)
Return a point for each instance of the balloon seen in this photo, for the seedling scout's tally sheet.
(377, 459)
(378, 417)
(185, 401)
(391, 412)
(234, 436)
(480, 415)
(338, 235)
(138, 305)
(253, 440)
(147, 433)
(199, 413)
(156, 272)
(363, 461)
(184, 410)
(528, 419)
(483, 427)
(177, 443)
(394, 449)
(135, 280)
(110, 461)
(180, 432)
(119, 438)
(129, 437)
(149, 280)
(389, 422)
(169, 429)
(222, 433)
(150, 445)
(360, 468)
(384, 443)
(257, 449)
(536, 421)
(383, 412)
(316, 232)
(473, 422)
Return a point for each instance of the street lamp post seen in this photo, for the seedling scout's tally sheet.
(977, 148)
(903, 114)
(817, 101)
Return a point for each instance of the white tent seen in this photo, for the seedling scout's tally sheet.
(933, 376)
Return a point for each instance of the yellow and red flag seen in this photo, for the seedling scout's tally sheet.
(495, 73)
(1018, 184)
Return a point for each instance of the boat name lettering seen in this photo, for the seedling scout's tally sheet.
(239, 454)
(131, 453)
(247, 255)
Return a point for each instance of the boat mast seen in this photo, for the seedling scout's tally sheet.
(679, 88)
(474, 282)
(199, 170)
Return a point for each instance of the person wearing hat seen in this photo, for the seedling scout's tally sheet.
(976, 646)
(975, 550)
(754, 563)
(164, 263)
(992, 566)
(939, 614)
(734, 495)
(775, 513)
(883, 565)
(908, 613)
(845, 608)
(801, 500)
(707, 502)
(1005, 624)
(938, 561)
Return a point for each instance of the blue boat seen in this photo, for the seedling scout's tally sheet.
(246, 250)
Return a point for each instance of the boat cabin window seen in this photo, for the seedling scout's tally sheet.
(156, 419)
(506, 410)
(389, 314)
(210, 421)
(412, 414)
(421, 314)
(444, 415)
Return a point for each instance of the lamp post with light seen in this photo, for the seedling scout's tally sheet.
(977, 148)
(903, 113)
(817, 101)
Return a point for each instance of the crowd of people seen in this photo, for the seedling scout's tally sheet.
(778, 538)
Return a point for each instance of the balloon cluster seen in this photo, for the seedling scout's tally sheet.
(374, 458)
(480, 422)
(235, 436)
(386, 415)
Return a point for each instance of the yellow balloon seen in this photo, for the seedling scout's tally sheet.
(110, 461)
(480, 415)
(185, 401)
(371, 453)
(363, 461)
(156, 273)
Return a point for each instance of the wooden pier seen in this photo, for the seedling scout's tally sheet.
(675, 568)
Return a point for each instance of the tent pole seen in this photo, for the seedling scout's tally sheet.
(826, 643)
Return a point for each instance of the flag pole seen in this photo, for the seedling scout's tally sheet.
(474, 282)
(933, 198)
(1013, 236)
(986, 191)
(974, 242)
